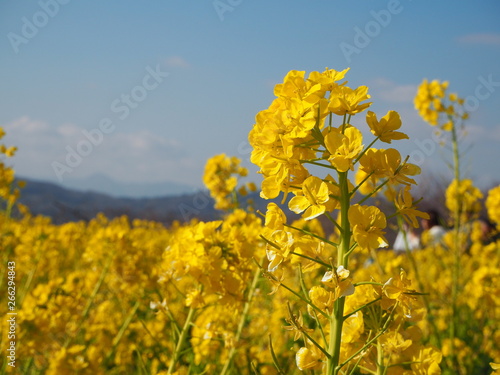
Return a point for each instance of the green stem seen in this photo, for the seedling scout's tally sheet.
(243, 319)
(311, 234)
(380, 359)
(366, 149)
(181, 340)
(414, 266)
(457, 248)
(370, 341)
(337, 316)
(121, 332)
(373, 192)
(318, 164)
(311, 259)
(362, 182)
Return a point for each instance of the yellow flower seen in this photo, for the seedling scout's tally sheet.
(322, 299)
(393, 343)
(338, 280)
(344, 100)
(195, 299)
(464, 197)
(344, 148)
(405, 207)
(427, 361)
(313, 201)
(309, 359)
(275, 217)
(328, 78)
(495, 367)
(493, 204)
(397, 172)
(219, 179)
(277, 176)
(352, 327)
(386, 128)
(368, 183)
(430, 102)
(297, 326)
(397, 289)
(367, 224)
(279, 248)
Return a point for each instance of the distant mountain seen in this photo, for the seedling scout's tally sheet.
(64, 205)
(101, 183)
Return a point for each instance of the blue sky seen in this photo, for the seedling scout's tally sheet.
(68, 67)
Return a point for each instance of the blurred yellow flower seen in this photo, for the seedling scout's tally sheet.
(309, 358)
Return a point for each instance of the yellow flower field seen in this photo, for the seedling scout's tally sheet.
(257, 292)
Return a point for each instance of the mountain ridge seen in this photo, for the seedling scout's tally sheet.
(63, 204)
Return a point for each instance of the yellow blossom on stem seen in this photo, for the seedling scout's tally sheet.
(314, 199)
(464, 197)
(344, 147)
(427, 361)
(309, 358)
(322, 299)
(278, 248)
(405, 207)
(344, 100)
(338, 281)
(368, 223)
(397, 289)
(275, 217)
(385, 129)
(327, 79)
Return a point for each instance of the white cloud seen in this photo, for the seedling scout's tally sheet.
(478, 133)
(177, 62)
(26, 125)
(69, 130)
(135, 157)
(392, 92)
(481, 38)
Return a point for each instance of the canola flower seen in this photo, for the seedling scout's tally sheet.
(446, 110)
(264, 295)
(311, 123)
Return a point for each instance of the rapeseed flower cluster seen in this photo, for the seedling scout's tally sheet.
(221, 179)
(309, 127)
(468, 254)
(9, 190)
